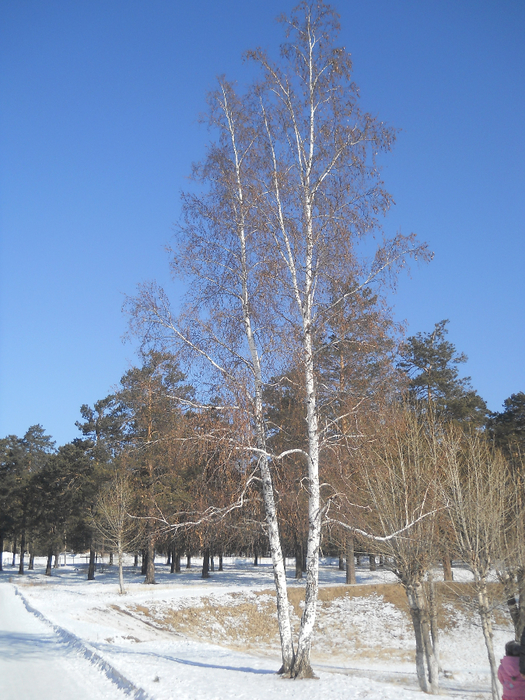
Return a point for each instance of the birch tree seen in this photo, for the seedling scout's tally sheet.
(271, 244)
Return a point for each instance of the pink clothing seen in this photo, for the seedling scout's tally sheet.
(511, 680)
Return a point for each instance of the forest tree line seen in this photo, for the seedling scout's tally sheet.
(183, 476)
(151, 473)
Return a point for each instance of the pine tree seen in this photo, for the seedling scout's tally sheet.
(431, 362)
(508, 426)
(150, 403)
(8, 447)
(28, 457)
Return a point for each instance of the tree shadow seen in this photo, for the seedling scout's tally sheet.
(18, 645)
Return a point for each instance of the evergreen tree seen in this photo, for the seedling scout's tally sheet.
(27, 458)
(508, 427)
(507, 431)
(8, 449)
(104, 425)
(64, 491)
(431, 362)
(104, 432)
(150, 403)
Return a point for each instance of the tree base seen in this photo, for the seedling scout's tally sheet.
(305, 673)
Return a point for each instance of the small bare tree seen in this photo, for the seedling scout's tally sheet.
(112, 519)
(475, 486)
(511, 570)
(396, 473)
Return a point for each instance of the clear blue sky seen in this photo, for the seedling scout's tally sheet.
(99, 103)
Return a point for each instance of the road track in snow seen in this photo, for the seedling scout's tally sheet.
(36, 664)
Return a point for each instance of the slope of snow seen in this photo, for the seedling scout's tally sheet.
(363, 647)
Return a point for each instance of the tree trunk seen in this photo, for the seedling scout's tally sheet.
(521, 595)
(188, 560)
(279, 569)
(426, 657)
(212, 562)
(13, 563)
(49, 563)
(270, 508)
(220, 563)
(350, 562)
(111, 558)
(120, 568)
(31, 565)
(341, 563)
(136, 560)
(516, 606)
(430, 656)
(144, 562)
(56, 563)
(150, 559)
(508, 582)
(298, 559)
(433, 614)
(206, 563)
(255, 559)
(177, 556)
(91, 567)
(302, 667)
(448, 575)
(22, 552)
(486, 625)
(372, 562)
(168, 557)
(415, 614)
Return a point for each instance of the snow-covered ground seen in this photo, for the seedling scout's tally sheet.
(189, 638)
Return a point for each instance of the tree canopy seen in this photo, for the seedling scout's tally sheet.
(431, 362)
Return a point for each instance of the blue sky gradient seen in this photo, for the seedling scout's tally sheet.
(99, 106)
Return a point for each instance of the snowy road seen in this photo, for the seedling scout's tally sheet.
(36, 664)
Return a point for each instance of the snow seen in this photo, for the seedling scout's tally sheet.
(36, 662)
(189, 638)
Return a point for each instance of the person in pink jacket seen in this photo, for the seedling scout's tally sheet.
(509, 673)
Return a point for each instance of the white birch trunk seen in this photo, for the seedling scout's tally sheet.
(302, 668)
(283, 610)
